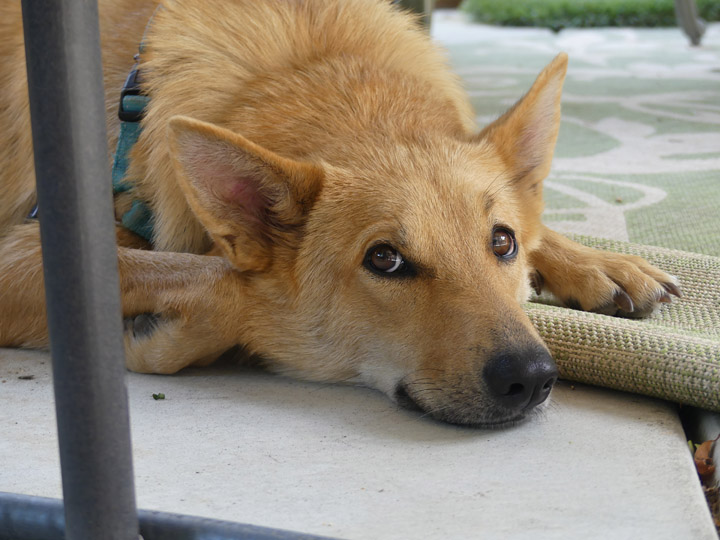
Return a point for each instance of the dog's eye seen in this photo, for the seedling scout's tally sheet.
(384, 259)
(503, 243)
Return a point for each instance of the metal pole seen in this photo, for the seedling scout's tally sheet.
(36, 518)
(687, 16)
(62, 46)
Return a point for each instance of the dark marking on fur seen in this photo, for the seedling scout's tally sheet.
(230, 239)
(537, 281)
(142, 325)
(489, 202)
(491, 192)
(572, 303)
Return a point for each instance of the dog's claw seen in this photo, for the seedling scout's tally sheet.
(537, 281)
(672, 289)
(623, 301)
(664, 298)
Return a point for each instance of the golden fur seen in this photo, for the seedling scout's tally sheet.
(287, 138)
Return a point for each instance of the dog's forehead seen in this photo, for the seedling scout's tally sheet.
(427, 175)
(446, 219)
(431, 199)
(453, 184)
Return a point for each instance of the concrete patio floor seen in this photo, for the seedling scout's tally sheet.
(342, 461)
(242, 445)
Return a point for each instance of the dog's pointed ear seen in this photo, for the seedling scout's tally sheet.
(525, 135)
(247, 197)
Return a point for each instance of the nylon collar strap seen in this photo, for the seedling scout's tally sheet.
(133, 104)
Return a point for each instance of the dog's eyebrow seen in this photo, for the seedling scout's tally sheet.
(489, 195)
(489, 201)
(402, 237)
(420, 269)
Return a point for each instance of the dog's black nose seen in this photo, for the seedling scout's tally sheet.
(521, 379)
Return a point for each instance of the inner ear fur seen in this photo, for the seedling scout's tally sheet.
(248, 198)
(525, 135)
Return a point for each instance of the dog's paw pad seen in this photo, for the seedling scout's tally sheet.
(142, 325)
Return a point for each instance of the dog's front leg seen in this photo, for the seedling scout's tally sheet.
(179, 309)
(593, 280)
(167, 342)
(23, 320)
(176, 306)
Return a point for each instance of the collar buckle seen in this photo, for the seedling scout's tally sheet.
(132, 100)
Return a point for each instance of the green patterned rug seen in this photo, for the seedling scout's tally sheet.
(638, 160)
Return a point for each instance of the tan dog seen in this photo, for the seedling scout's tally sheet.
(364, 231)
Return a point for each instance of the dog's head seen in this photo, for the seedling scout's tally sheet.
(405, 270)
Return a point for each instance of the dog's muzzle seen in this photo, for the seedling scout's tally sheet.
(511, 384)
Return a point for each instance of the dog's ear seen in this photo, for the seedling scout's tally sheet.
(525, 135)
(247, 197)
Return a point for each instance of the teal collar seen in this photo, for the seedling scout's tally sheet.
(139, 219)
(133, 104)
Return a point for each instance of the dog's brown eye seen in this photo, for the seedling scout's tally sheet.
(503, 243)
(384, 259)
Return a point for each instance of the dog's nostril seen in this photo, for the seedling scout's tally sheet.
(515, 388)
(520, 379)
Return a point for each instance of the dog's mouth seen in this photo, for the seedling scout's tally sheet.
(459, 415)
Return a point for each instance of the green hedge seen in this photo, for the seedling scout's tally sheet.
(559, 14)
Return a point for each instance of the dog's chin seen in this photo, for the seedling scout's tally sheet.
(481, 421)
(502, 424)
(487, 418)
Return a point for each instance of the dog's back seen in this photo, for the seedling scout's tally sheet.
(301, 78)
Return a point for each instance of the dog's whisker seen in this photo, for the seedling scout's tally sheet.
(433, 411)
(489, 195)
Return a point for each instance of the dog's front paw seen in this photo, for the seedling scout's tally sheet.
(167, 342)
(147, 347)
(609, 283)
